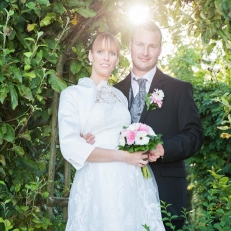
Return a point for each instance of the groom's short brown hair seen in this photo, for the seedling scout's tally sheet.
(150, 26)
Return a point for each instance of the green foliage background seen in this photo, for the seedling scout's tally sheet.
(43, 49)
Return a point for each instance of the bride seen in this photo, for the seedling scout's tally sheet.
(109, 192)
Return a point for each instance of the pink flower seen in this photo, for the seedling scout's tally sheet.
(143, 127)
(131, 135)
(154, 99)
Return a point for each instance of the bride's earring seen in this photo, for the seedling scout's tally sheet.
(90, 63)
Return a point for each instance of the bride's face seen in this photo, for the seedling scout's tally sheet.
(104, 58)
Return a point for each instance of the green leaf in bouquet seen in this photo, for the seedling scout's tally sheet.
(140, 148)
(151, 137)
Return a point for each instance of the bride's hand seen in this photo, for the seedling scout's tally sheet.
(137, 158)
(90, 139)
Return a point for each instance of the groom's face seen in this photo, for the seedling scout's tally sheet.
(145, 49)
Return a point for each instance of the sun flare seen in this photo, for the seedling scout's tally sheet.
(139, 14)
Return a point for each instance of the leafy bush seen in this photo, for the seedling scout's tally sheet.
(215, 211)
(215, 150)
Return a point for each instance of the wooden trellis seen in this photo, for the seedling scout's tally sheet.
(56, 201)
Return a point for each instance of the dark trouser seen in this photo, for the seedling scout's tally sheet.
(178, 225)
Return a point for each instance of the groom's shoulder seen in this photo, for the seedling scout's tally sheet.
(123, 82)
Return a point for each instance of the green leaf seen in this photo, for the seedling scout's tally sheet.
(39, 56)
(28, 54)
(223, 180)
(202, 15)
(10, 133)
(31, 27)
(75, 67)
(226, 229)
(11, 12)
(27, 67)
(25, 92)
(45, 2)
(210, 47)
(19, 150)
(1, 138)
(2, 160)
(25, 136)
(14, 96)
(88, 2)
(17, 187)
(2, 182)
(3, 92)
(58, 7)
(45, 195)
(223, 128)
(57, 83)
(33, 165)
(220, 211)
(7, 51)
(40, 33)
(165, 218)
(87, 13)
(30, 39)
(30, 75)
(47, 20)
(31, 5)
(17, 74)
(8, 225)
(205, 204)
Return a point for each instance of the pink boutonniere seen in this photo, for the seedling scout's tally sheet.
(154, 100)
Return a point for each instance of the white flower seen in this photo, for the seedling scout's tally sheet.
(159, 94)
(141, 138)
(122, 141)
(134, 126)
(151, 132)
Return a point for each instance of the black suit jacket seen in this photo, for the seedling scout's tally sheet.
(179, 122)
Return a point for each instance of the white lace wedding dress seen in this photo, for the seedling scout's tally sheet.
(111, 196)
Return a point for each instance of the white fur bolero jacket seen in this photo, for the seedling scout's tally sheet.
(75, 105)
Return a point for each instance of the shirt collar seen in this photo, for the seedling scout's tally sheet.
(149, 76)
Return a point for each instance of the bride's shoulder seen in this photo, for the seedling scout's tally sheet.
(117, 90)
(84, 85)
(120, 94)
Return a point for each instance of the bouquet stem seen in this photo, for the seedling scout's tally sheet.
(145, 172)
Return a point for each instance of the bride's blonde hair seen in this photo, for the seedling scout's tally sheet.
(107, 40)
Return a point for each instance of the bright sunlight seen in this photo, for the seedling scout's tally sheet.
(138, 14)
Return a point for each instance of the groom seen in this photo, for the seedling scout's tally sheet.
(177, 120)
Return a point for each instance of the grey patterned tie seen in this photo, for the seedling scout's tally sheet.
(138, 102)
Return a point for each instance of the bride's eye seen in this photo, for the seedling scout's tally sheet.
(113, 53)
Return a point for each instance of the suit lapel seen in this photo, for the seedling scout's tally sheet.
(157, 83)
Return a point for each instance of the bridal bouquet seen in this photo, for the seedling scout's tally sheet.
(139, 137)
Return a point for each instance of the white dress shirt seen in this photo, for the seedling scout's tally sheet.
(149, 76)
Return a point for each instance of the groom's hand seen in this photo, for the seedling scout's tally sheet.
(90, 139)
(153, 155)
